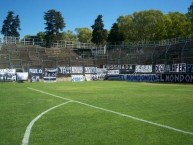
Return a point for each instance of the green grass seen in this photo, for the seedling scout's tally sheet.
(77, 124)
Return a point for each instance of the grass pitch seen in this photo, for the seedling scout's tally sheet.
(79, 124)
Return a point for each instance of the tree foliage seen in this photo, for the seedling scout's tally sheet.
(69, 36)
(11, 25)
(115, 35)
(84, 34)
(54, 25)
(153, 25)
(99, 34)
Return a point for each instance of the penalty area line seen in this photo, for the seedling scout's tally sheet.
(118, 113)
(25, 140)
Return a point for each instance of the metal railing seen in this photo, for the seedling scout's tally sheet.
(80, 45)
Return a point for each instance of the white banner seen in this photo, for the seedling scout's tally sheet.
(113, 72)
(77, 70)
(88, 77)
(90, 70)
(143, 68)
(7, 71)
(22, 76)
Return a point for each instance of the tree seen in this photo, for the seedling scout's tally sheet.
(190, 14)
(54, 25)
(99, 34)
(179, 25)
(148, 25)
(84, 34)
(41, 36)
(125, 25)
(11, 25)
(115, 35)
(69, 36)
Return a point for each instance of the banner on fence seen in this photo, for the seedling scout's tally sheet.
(143, 68)
(7, 71)
(35, 71)
(180, 67)
(35, 78)
(64, 70)
(77, 78)
(177, 78)
(7, 75)
(90, 70)
(141, 77)
(88, 77)
(50, 75)
(77, 70)
(112, 72)
(22, 76)
(160, 68)
(189, 68)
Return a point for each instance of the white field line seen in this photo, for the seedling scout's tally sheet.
(120, 114)
(25, 140)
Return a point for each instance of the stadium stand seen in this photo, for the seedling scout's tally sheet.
(31, 53)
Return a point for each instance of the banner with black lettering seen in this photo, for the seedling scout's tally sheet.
(143, 69)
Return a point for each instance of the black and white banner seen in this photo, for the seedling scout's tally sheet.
(50, 75)
(7, 75)
(35, 71)
(64, 70)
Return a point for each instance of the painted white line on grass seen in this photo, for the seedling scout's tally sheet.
(120, 114)
(29, 127)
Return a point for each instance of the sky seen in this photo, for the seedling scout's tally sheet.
(81, 13)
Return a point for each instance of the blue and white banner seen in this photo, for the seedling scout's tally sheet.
(177, 78)
(77, 78)
(141, 77)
